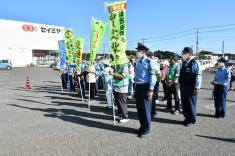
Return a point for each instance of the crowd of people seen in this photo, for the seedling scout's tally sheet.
(140, 78)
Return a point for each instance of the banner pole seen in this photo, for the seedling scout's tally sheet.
(89, 100)
(61, 83)
(80, 88)
(114, 120)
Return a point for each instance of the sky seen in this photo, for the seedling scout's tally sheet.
(165, 24)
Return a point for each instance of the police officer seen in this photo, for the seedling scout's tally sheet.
(71, 72)
(145, 80)
(190, 83)
(82, 76)
(220, 83)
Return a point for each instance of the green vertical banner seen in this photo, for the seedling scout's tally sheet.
(69, 44)
(98, 29)
(79, 43)
(117, 31)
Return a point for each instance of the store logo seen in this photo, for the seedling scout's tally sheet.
(29, 28)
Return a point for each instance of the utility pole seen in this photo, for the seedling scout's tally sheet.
(223, 49)
(197, 53)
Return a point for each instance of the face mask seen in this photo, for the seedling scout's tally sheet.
(184, 57)
(221, 64)
(138, 55)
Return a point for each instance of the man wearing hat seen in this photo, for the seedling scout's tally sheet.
(190, 83)
(220, 83)
(172, 85)
(145, 79)
(163, 78)
(120, 90)
(107, 83)
(156, 87)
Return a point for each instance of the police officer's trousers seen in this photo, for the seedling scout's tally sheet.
(220, 93)
(72, 83)
(64, 83)
(189, 102)
(144, 107)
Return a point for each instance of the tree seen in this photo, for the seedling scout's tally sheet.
(164, 54)
(203, 53)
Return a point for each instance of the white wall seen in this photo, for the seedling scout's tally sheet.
(17, 41)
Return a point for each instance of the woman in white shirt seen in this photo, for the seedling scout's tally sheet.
(91, 78)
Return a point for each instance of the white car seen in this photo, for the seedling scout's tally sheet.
(206, 64)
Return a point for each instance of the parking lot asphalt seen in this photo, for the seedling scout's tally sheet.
(46, 121)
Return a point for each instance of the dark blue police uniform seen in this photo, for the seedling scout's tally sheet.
(189, 79)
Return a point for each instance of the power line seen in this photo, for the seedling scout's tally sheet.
(217, 26)
(170, 38)
(172, 34)
(218, 30)
(190, 30)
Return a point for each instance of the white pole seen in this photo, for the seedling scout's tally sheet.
(80, 88)
(61, 83)
(89, 100)
(114, 120)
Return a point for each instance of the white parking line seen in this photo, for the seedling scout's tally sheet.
(212, 106)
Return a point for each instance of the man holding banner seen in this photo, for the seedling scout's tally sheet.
(120, 90)
(79, 42)
(117, 28)
(97, 33)
(63, 65)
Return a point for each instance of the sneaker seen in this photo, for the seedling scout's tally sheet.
(156, 101)
(124, 120)
(130, 97)
(118, 118)
(92, 101)
(176, 112)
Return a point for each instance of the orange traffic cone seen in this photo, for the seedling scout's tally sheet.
(28, 85)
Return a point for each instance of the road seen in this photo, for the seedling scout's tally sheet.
(45, 121)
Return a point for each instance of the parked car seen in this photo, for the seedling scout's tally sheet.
(206, 64)
(5, 64)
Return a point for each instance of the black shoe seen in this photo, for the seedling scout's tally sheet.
(138, 131)
(186, 123)
(154, 115)
(143, 134)
(167, 110)
(163, 99)
(217, 116)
